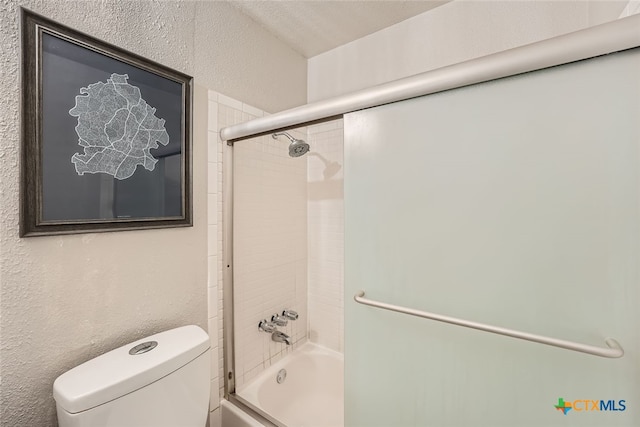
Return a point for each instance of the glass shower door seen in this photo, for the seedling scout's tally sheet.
(514, 203)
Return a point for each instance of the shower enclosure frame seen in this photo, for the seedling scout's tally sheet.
(228, 308)
(615, 36)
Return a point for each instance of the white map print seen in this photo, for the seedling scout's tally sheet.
(116, 128)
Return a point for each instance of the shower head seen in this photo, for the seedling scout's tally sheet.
(297, 147)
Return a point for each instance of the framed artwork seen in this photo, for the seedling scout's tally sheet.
(106, 136)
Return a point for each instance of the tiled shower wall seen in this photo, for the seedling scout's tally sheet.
(214, 235)
(270, 249)
(269, 237)
(326, 234)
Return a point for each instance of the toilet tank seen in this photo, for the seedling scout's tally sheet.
(159, 381)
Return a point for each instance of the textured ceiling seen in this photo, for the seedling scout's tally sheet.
(311, 27)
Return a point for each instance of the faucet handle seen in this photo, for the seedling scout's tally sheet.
(290, 314)
(265, 326)
(279, 320)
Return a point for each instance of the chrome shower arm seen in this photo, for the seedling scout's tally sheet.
(276, 135)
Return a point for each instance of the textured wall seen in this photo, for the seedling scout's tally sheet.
(455, 32)
(66, 299)
(237, 57)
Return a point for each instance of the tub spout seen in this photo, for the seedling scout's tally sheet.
(278, 336)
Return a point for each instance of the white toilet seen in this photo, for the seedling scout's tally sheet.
(159, 381)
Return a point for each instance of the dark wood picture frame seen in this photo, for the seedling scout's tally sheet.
(55, 198)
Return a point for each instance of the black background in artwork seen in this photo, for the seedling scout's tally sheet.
(67, 67)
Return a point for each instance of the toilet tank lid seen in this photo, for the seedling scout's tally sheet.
(116, 373)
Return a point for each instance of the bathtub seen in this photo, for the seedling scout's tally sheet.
(312, 394)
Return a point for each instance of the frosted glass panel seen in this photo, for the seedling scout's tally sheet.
(514, 203)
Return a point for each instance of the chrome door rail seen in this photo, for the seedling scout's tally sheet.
(603, 39)
(614, 349)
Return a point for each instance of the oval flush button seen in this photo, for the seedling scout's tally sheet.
(143, 348)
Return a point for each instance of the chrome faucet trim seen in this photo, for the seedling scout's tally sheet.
(265, 326)
(279, 320)
(290, 314)
(278, 336)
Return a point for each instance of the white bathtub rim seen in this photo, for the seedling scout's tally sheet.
(232, 415)
(250, 389)
(248, 395)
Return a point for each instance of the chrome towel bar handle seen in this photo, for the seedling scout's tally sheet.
(613, 350)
